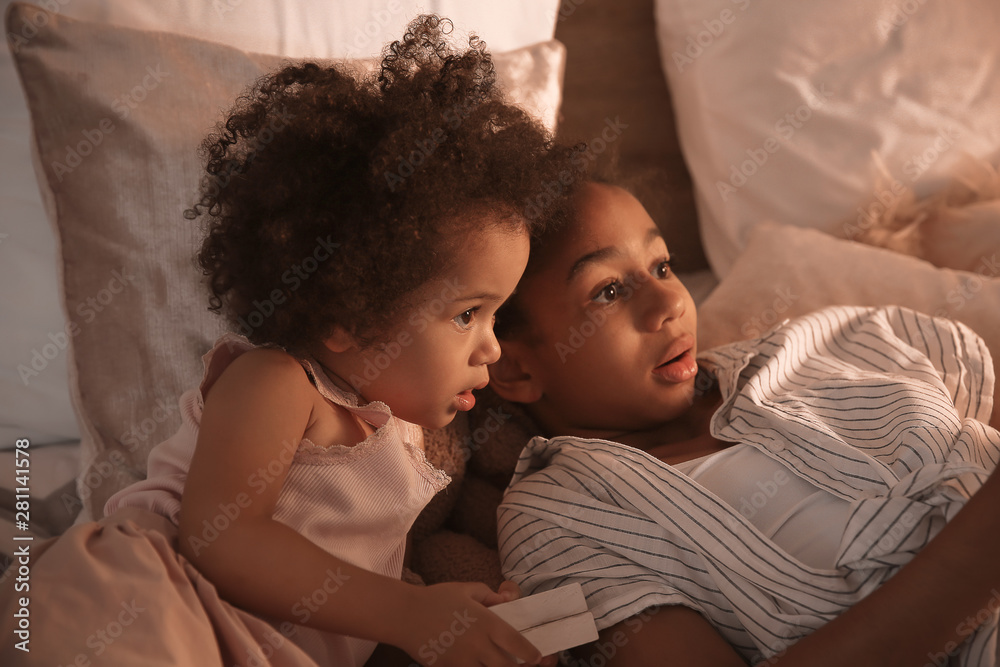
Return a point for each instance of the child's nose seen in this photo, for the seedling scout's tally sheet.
(488, 350)
(664, 301)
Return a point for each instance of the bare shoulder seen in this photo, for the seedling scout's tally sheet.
(267, 371)
(271, 382)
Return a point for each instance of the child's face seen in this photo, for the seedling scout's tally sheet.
(611, 331)
(439, 351)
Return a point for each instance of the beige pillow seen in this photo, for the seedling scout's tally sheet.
(787, 271)
(956, 227)
(117, 116)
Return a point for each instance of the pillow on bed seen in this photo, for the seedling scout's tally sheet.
(787, 271)
(780, 105)
(956, 227)
(318, 28)
(117, 117)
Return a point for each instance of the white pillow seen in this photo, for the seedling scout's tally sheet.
(780, 104)
(318, 28)
(34, 386)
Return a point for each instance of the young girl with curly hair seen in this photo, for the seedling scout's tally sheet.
(362, 232)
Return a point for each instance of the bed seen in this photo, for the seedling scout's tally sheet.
(796, 155)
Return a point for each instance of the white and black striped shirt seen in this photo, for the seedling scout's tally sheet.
(883, 407)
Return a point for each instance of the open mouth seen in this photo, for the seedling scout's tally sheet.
(670, 361)
(681, 366)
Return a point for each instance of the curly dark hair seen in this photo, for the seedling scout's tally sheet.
(331, 195)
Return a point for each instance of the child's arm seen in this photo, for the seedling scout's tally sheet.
(254, 417)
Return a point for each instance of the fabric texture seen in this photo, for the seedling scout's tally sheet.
(796, 133)
(788, 271)
(357, 503)
(884, 408)
(118, 115)
(797, 516)
(957, 227)
(117, 592)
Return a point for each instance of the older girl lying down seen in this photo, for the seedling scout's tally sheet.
(753, 493)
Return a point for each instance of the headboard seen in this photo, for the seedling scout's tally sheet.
(615, 87)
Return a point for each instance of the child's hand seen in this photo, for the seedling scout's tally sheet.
(451, 626)
(508, 591)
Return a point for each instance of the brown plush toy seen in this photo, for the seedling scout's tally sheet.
(455, 537)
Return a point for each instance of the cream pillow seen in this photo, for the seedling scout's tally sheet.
(956, 227)
(787, 271)
(780, 105)
(117, 117)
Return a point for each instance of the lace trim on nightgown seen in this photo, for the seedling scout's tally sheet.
(376, 413)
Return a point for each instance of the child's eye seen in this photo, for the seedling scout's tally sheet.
(662, 269)
(609, 293)
(465, 319)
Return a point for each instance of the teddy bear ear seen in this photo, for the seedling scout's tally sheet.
(509, 376)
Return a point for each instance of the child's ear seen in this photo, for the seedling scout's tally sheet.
(510, 376)
(340, 340)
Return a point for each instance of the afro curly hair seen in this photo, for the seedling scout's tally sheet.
(331, 196)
